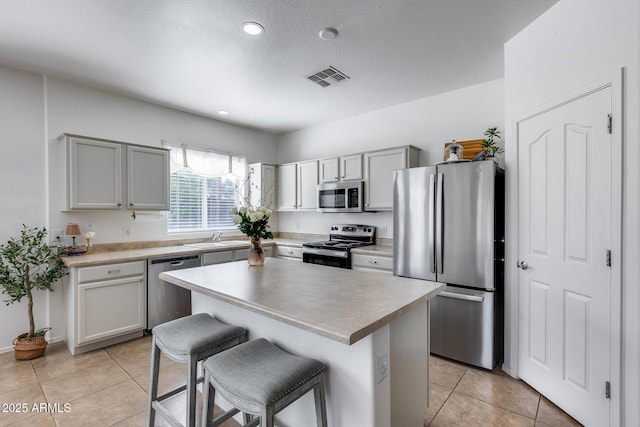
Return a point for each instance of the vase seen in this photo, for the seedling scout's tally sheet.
(256, 254)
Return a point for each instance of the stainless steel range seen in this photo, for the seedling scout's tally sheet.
(336, 252)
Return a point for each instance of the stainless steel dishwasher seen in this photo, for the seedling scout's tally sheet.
(166, 301)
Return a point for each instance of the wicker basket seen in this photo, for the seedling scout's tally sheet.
(29, 348)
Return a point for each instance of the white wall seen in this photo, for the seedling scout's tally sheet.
(22, 181)
(574, 43)
(426, 123)
(34, 110)
(81, 110)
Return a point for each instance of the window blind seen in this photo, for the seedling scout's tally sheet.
(203, 189)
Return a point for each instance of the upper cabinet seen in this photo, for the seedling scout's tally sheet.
(378, 175)
(147, 178)
(298, 186)
(308, 185)
(341, 168)
(262, 183)
(99, 172)
(94, 174)
(287, 187)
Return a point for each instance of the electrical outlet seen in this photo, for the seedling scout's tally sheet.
(126, 232)
(382, 365)
(55, 237)
(384, 231)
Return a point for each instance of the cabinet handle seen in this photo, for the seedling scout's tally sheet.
(114, 271)
(119, 204)
(373, 262)
(294, 206)
(130, 204)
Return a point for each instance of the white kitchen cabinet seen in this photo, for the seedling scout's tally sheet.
(94, 174)
(344, 168)
(378, 175)
(372, 263)
(298, 186)
(218, 257)
(147, 178)
(287, 187)
(105, 304)
(262, 185)
(289, 252)
(100, 173)
(308, 185)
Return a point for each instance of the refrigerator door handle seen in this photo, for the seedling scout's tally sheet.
(432, 222)
(464, 297)
(440, 225)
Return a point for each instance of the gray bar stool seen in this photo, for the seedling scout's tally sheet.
(258, 378)
(187, 340)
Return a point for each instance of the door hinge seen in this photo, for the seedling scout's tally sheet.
(609, 124)
(607, 390)
(608, 258)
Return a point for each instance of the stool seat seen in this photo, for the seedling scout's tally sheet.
(258, 378)
(199, 333)
(189, 339)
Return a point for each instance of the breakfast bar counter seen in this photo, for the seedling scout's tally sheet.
(370, 329)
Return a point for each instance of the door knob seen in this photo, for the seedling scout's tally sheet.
(523, 265)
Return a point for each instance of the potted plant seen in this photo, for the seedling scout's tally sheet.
(489, 143)
(28, 264)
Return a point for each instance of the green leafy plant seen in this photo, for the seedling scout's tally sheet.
(28, 264)
(489, 143)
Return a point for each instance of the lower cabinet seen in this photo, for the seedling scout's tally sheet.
(220, 257)
(289, 252)
(105, 304)
(372, 263)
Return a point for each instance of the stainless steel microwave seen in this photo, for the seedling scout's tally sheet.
(340, 197)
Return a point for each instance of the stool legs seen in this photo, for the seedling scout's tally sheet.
(153, 382)
(321, 405)
(191, 389)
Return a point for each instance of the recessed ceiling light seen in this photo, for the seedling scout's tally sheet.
(328, 33)
(252, 28)
(223, 112)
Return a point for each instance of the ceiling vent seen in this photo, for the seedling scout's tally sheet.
(328, 76)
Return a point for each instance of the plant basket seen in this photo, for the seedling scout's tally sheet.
(29, 348)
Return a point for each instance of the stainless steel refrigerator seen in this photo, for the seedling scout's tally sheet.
(448, 226)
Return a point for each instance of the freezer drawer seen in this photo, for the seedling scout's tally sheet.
(464, 326)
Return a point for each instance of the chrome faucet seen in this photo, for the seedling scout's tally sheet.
(216, 236)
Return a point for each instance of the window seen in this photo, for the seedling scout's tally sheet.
(204, 189)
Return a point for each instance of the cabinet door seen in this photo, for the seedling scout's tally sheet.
(308, 185)
(262, 182)
(217, 257)
(94, 174)
(147, 178)
(351, 167)
(378, 172)
(329, 170)
(287, 187)
(110, 308)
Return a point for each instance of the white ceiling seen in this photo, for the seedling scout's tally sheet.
(193, 55)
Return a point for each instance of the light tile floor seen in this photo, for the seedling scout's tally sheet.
(108, 387)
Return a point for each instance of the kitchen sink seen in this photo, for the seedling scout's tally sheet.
(221, 244)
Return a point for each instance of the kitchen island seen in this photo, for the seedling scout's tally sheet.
(371, 330)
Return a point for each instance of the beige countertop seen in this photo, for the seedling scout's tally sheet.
(136, 254)
(342, 305)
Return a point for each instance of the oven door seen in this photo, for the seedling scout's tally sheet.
(332, 258)
(340, 197)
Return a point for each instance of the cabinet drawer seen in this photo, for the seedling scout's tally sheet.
(288, 252)
(244, 253)
(217, 257)
(372, 261)
(110, 271)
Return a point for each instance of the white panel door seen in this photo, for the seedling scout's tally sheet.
(308, 185)
(565, 217)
